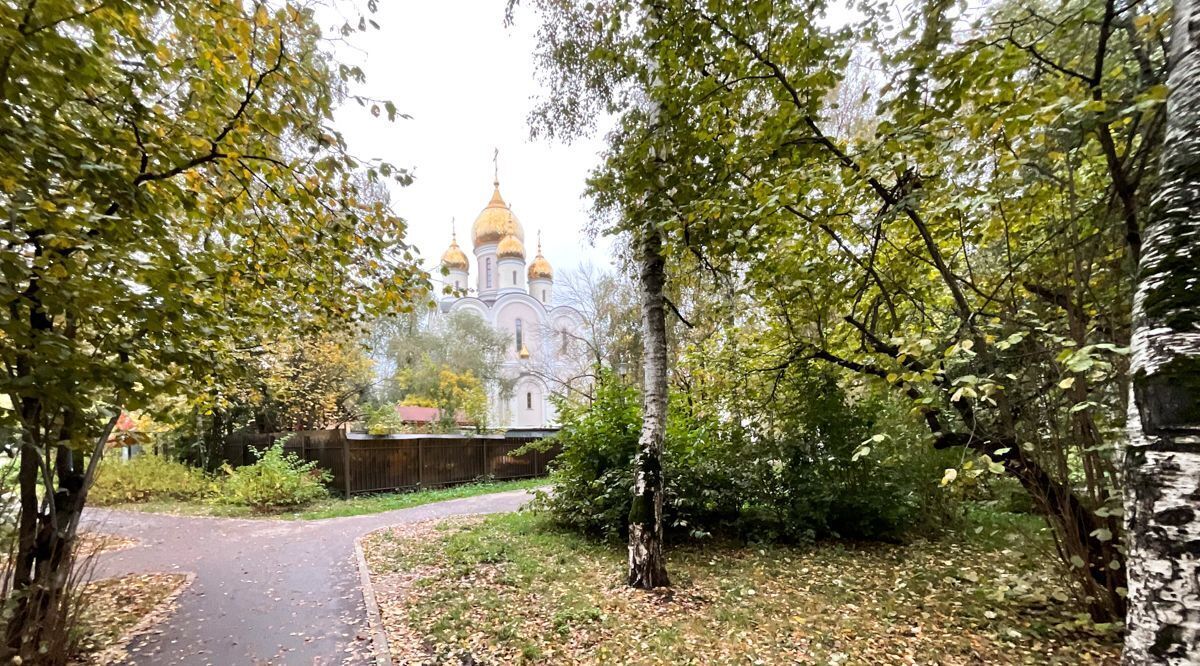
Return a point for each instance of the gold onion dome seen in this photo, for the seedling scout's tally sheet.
(496, 221)
(454, 257)
(540, 268)
(510, 247)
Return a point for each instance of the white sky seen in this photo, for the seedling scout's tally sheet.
(468, 83)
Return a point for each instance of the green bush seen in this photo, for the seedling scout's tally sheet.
(797, 481)
(276, 479)
(146, 478)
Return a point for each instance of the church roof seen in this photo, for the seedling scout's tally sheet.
(539, 268)
(454, 258)
(496, 221)
(510, 247)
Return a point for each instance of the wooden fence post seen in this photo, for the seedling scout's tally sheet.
(421, 462)
(483, 460)
(346, 463)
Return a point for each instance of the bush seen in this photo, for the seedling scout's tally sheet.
(384, 420)
(276, 479)
(148, 477)
(807, 477)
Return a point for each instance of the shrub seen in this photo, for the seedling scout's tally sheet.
(806, 477)
(276, 479)
(148, 477)
(384, 420)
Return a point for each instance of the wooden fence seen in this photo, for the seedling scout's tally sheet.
(366, 464)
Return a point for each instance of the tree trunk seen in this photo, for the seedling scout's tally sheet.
(38, 629)
(1162, 462)
(647, 568)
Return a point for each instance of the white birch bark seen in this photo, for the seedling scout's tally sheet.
(1162, 462)
(647, 567)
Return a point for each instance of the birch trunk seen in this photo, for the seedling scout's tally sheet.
(647, 568)
(1162, 463)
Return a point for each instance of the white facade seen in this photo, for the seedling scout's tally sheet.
(516, 297)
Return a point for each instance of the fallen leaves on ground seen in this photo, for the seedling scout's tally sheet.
(115, 610)
(94, 543)
(514, 589)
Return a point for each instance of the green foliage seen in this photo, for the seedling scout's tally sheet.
(175, 199)
(276, 479)
(593, 476)
(418, 348)
(959, 233)
(148, 478)
(809, 481)
(383, 420)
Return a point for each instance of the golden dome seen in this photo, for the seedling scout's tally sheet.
(496, 221)
(540, 269)
(510, 247)
(454, 258)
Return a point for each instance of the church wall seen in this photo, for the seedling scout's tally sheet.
(542, 290)
(530, 403)
(507, 315)
(512, 274)
(485, 263)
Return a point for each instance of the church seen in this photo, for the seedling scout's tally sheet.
(516, 297)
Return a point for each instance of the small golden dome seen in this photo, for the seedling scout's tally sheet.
(540, 269)
(524, 353)
(496, 221)
(454, 258)
(510, 247)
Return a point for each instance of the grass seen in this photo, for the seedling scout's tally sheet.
(335, 507)
(516, 589)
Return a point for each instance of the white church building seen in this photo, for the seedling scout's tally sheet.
(516, 297)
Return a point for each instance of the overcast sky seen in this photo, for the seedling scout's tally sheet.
(468, 83)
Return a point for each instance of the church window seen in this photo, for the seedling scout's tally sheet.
(489, 272)
(514, 277)
(528, 400)
(543, 295)
(565, 340)
(520, 336)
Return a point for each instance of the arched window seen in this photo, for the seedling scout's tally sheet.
(520, 335)
(514, 278)
(529, 400)
(565, 340)
(489, 272)
(543, 295)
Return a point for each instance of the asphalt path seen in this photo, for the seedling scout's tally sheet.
(265, 591)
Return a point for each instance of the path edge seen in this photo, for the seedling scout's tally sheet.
(161, 612)
(379, 641)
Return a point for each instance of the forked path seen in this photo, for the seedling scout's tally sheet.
(265, 591)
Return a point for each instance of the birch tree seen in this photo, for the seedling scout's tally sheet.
(647, 565)
(1162, 463)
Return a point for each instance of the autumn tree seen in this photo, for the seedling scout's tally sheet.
(413, 349)
(174, 194)
(968, 246)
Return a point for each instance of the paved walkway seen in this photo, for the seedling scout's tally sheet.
(266, 591)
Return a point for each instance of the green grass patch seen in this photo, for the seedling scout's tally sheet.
(365, 504)
(334, 507)
(516, 588)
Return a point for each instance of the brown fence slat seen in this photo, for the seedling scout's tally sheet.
(376, 464)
